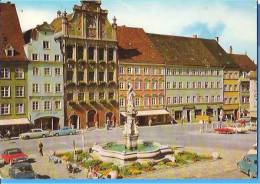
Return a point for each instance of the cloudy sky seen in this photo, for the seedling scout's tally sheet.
(234, 21)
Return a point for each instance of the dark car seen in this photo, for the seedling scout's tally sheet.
(22, 170)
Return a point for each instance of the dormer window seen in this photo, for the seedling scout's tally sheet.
(9, 52)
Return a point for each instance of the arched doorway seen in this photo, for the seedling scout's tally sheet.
(74, 121)
(91, 118)
(109, 118)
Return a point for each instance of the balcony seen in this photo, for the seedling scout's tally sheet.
(81, 63)
(111, 65)
(70, 84)
(71, 61)
(82, 84)
(102, 84)
(92, 64)
(112, 84)
(92, 84)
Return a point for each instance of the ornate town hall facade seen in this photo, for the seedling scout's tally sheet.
(89, 46)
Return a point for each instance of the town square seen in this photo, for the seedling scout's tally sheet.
(85, 97)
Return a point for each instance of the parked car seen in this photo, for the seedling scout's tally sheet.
(13, 155)
(251, 126)
(225, 130)
(22, 170)
(63, 131)
(248, 165)
(238, 128)
(34, 133)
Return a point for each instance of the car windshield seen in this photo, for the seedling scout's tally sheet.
(13, 151)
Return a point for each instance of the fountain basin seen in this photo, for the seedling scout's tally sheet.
(118, 154)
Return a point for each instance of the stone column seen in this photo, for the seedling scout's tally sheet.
(105, 54)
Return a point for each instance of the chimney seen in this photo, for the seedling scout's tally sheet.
(114, 23)
(217, 39)
(195, 36)
(58, 13)
(231, 49)
(64, 23)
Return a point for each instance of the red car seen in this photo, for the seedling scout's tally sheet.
(13, 155)
(225, 130)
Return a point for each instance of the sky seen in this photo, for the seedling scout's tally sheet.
(233, 21)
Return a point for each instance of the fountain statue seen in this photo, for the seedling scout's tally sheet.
(130, 128)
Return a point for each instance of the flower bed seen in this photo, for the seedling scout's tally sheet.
(85, 160)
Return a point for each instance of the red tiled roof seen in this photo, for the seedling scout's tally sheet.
(10, 33)
(134, 46)
(244, 62)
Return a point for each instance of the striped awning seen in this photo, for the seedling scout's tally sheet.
(21, 121)
(149, 113)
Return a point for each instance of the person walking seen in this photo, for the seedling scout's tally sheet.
(41, 149)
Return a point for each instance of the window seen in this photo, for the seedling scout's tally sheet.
(211, 84)
(101, 54)
(4, 73)
(69, 52)
(121, 70)
(57, 71)
(161, 85)
(20, 108)
(235, 88)
(101, 96)
(91, 53)
(180, 85)
(194, 86)
(35, 88)
(235, 100)
(154, 101)
(121, 102)
(47, 71)
(168, 100)
(10, 52)
(110, 54)
(188, 99)
(35, 71)
(206, 85)
(34, 57)
(91, 96)
(137, 70)
(168, 85)
(47, 105)
(47, 88)
(180, 100)
(161, 100)
(5, 91)
(121, 85)
(57, 57)
(137, 102)
(46, 57)
(146, 85)
(35, 106)
(19, 91)
(19, 73)
(90, 76)
(137, 85)
(206, 99)
(146, 101)
(194, 99)
(146, 71)
(101, 76)
(174, 100)
(168, 71)
(57, 88)
(154, 85)
(129, 70)
(4, 109)
(111, 95)
(218, 98)
(188, 85)
(46, 45)
(57, 105)
(199, 85)
(212, 98)
(174, 85)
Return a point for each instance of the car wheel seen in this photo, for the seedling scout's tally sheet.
(43, 135)
(71, 133)
(57, 134)
(250, 174)
(27, 137)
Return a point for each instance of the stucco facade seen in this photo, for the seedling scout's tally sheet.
(45, 78)
(90, 57)
(191, 92)
(253, 95)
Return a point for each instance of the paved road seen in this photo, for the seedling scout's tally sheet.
(186, 135)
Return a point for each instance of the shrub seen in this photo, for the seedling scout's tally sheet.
(124, 171)
(134, 171)
(137, 165)
(105, 165)
(91, 163)
(81, 156)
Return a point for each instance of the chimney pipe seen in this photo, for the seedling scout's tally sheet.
(195, 36)
(230, 49)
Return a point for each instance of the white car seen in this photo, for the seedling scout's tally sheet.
(34, 133)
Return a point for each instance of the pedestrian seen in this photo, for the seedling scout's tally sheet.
(107, 124)
(8, 134)
(150, 122)
(40, 149)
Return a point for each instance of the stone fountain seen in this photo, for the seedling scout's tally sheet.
(131, 149)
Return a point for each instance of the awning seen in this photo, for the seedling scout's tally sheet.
(149, 113)
(21, 121)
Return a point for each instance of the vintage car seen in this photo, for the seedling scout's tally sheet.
(248, 164)
(13, 155)
(225, 130)
(22, 170)
(34, 133)
(63, 131)
(239, 129)
(251, 126)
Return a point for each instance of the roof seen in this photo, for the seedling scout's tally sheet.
(187, 51)
(10, 34)
(32, 33)
(134, 46)
(244, 62)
